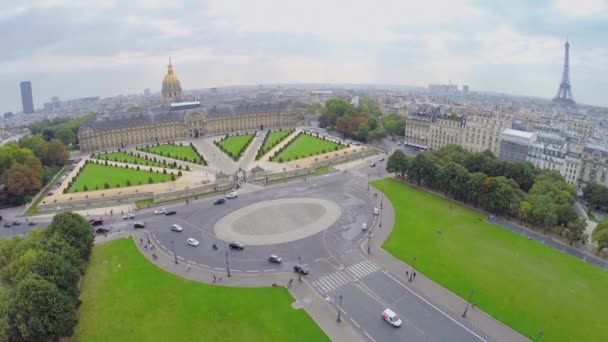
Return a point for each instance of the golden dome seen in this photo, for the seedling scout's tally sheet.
(170, 77)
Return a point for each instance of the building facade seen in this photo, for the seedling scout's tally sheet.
(26, 97)
(514, 145)
(594, 166)
(483, 130)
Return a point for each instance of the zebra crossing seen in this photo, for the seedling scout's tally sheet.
(337, 279)
(363, 268)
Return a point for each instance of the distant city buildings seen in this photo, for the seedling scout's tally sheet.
(443, 89)
(26, 97)
(465, 89)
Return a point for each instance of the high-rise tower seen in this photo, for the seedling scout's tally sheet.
(564, 92)
(26, 97)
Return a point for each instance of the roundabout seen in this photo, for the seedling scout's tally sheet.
(278, 221)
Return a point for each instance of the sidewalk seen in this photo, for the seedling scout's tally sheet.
(432, 291)
(318, 309)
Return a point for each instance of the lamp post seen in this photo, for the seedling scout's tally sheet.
(299, 272)
(379, 168)
(174, 255)
(380, 225)
(368, 182)
(339, 308)
(227, 263)
(369, 241)
(466, 308)
(148, 233)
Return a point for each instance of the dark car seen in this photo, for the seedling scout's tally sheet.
(102, 230)
(1, 217)
(219, 201)
(31, 223)
(171, 212)
(275, 259)
(16, 223)
(236, 245)
(139, 225)
(302, 269)
(373, 165)
(96, 223)
(8, 225)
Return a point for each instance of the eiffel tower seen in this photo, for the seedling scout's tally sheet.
(564, 92)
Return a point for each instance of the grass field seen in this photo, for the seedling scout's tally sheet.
(176, 152)
(520, 282)
(274, 138)
(234, 143)
(304, 146)
(127, 298)
(121, 156)
(95, 175)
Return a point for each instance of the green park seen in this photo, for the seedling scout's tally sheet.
(235, 145)
(99, 177)
(305, 145)
(520, 282)
(179, 152)
(150, 304)
(128, 158)
(273, 139)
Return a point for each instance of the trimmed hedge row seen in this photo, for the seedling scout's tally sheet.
(200, 160)
(149, 161)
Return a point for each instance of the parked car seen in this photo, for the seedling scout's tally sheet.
(192, 242)
(128, 216)
(301, 268)
(139, 225)
(31, 223)
(176, 228)
(391, 318)
(160, 211)
(232, 195)
(171, 212)
(376, 211)
(492, 218)
(373, 165)
(50, 193)
(236, 245)
(381, 159)
(275, 259)
(8, 225)
(96, 222)
(16, 223)
(102, 230)
(219, 201)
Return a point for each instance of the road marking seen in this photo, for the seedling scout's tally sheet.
(236, 270)
(217, 268)
(253, 271)
(203, 265)
(269, 270)
(355, 323)
(191, 262)
(180, 258)
(368, 336)
(436, 308)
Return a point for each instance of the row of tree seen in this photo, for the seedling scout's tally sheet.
(358, 123)
(64, 129)
(545, 201)
(29, 164)
(40, 275)
(147, 161)
(264, 149)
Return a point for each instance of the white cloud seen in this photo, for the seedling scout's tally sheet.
(338, 19)
(582, 7)
(504, 46)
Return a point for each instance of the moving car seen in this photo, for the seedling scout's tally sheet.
(8, 225)
(139, 225)
(102, 230)
(232, 195)
(171, 212)
(31, 223)
(96, 222)
(192, 242)
(176, 228)
(16, 223)
(128, 216)
(376, 211)
(381, 159)
(275, 259)
(373, 165)
(301, 268)
(236, 245)
(219, 201)
(391, 318)
(160, 211)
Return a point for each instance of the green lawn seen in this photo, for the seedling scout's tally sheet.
(233, 144)
(127, 298)
(176, 152)
(520, 282)
(274, 138)
(95, 175)
(304, 146)
(121, 157)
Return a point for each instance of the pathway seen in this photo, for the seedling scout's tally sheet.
(216, 159)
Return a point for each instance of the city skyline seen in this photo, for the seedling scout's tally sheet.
(108, 48)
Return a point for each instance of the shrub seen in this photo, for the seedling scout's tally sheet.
(85, 188)
(187, 168)
(172, 177)
(106, 185)
(128, 182)
(150, 180)
(164, 171)
(179, 173)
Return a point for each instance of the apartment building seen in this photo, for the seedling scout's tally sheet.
(483, 130)
(594, 164)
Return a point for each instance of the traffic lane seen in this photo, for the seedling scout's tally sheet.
(429, 320)
(364, 309)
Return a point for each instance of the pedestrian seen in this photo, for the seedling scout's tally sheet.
(141, 241)
(414, 274)
(214, 278)
(219, 279)
(188, 268)
(146, 246)
(407, 274)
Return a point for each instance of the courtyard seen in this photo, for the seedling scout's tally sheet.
(522, 283)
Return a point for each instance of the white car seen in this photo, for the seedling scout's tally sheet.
(176, 228)
(128, 216)
(391, 318)
(232, 195)
(376, 211)
(160, 211)
(192, 242)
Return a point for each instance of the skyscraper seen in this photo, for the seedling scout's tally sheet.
(26, 97)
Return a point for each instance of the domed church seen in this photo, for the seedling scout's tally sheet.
(172, 89)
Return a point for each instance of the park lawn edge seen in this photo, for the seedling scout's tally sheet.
(155, 175)
(263, 151)
(236, 156)
(303, 135)
(148, 149)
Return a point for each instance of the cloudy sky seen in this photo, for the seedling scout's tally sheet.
(107, 47)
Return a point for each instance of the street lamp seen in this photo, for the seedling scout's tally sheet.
(148, 233)
(368, 181)
(380, 225)
(339, 308)
(174, 255)
(300, 271)
(466, 308)
(369, 241)
(227, 263)
(379, 168)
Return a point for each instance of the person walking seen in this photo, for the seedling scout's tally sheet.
(214, 278)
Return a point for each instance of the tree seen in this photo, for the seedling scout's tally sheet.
(394, 124)
(575, 231)
(596, 195)
(22, 179)
(475, 188)
(36, 310)
(51, 267)
(601, 238)
(397, 163)
(75, 230)
(453, 179)
(334, 108)
(66, 135)
(58, 153)
(36, 144)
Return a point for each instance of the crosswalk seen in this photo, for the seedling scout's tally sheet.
(337, 279)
